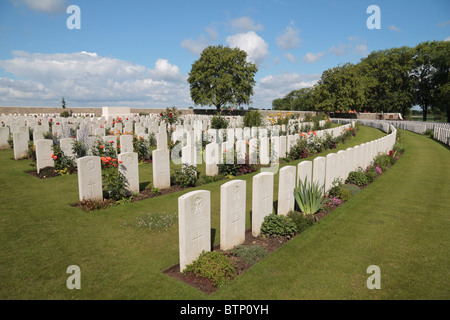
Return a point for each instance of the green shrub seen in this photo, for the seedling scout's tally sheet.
(185, 177)
(301, 220)
(252, 119)
(213, 265)
(278, 225)
(357, 177)
(371, 174)
(346, 194)
(250, 254)
(219, 122)
(114, 184)
(354, 190)
(309, 197)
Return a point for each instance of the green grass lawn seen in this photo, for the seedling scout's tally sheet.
(399, 223)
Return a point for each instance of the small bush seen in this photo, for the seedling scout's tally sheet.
(309, 197)
(301, 220)
(250, 254)
(278, 225)
(253, 119)
(186, 177)
(357, 177)
(346, 194)
(213, 265)
(354, 190)
(219, 122)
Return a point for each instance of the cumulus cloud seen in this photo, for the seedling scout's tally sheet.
(313, 57)
(394, 28)
(88, 78)
(340, 50)
(255, 46)
(44, 6)
(290, 38)
(290, 57)
(196, 46)
(245, 24)
(277, 86)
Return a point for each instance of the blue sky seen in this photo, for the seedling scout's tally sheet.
(138, 53)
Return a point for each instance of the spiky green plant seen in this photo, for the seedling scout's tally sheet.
(309, 197)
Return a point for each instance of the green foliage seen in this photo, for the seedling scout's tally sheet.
(278, 225)
(114, 184)
(309, 197)
(63, 163)
(253, 119)
(79, 149)
(358, 178)
(212, 265)
(250, 254)
(104, 149)
(142, 148)
(185, 177)
(302, 221)
(346, 194)
(222, 77)
(219, 122)
(354, 190)
(155, 191)
(170, 115)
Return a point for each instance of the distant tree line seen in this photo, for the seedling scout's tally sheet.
(391, 80)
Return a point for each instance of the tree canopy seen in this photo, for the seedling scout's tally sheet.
(222, 77)
(391, 80)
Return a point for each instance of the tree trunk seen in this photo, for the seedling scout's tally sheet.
(425, 112)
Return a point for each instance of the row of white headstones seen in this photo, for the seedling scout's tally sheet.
(194, 208)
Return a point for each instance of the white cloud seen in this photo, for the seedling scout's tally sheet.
(195, 46)
(89, 79)
(447, 39)
(250, 42)
(44, 6)
(245, 24)
(290, 57)
(394, 28)
(313, 57)
(290, 38)
(277, 86)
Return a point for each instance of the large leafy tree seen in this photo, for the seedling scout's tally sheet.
(341, 89)
(300, 100)
(430, 73)
(222, 77)
(389, 82)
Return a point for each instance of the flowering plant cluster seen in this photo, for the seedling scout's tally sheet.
(170, 116)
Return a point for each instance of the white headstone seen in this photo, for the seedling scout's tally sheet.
(330, 170)
(253, 151)
(4, 136)
(20, 142)
(262, 200)
(130, 169)
(304, 173)
(241, 151)
(232, 214)
(126, 143)
(194, 225)
(44, 154)
(161, 169)
(89, 178)
(286, 185)
(161, 140)
(319, 167)
(264, 151)
(211, 159)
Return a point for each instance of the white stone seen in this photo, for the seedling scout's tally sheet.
(330, 171)
(161, 140)
(89, 178)
(262, 200)
(319, 167)
(264, 158)
(241, 151)
(4, 136)
(304, 173)
(286, 185)
(66, 145)
(232, 214)
(253, 151)
(194, 225)
(20, 143)
(161, 169)
(126, 143)
(130, 169)
(44, 154)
